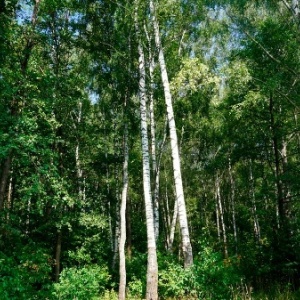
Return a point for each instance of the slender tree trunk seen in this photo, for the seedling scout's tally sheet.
(254, 210)
(276, 151)
(166, 213)
(4, 179)
(128, 228)
(57, 255)
(122, 266)
(152, 267)
(221, 213)
(173, 226)
(218, 220)
(155, 165)
(117, 233)
(286, 189)
(232, 200)
(27, 222)
(9, 203)
(186, 243)
(79, 172)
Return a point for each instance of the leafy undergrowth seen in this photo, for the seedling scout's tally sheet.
(210, 278)
(276, 294)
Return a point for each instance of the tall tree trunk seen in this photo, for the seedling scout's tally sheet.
(173, 227)
(128, 229)
(253, 209)
(232, 200)
(79, 171)
(286, 189)
(186, 243)
(9, 203)
(276, 151)
(122, 264)
(166, 213)
(155, 165)
(117, 232)
(221, 213)
(218, 220)
(57, 255)
(152, 267)
(4, 179)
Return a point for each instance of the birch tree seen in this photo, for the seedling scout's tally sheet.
(152, 268)
(186, 243)
(122, 265)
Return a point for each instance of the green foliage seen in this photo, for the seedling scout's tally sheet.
(25, 273)
(211, 277)
(66, 150)
(174, 281)
(136, 274)
(81, 283)
(87, 240)
(136, 288)
(109, 295)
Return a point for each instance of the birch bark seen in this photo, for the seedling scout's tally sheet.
(186, 244)
(253, 209)
(221, 213)
(155, 164)
(152, 268)
(122, 264)
(79, 171)
(232, 200)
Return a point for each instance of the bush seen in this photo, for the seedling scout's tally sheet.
(81, 283)
(210, 277)
(25, 274)
(215, 277)
(175, 281)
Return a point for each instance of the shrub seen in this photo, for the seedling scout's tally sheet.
(210, 277)
(81, 283)
(25, 274)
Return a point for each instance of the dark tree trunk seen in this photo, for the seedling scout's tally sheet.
(57, 255)
(4, 179)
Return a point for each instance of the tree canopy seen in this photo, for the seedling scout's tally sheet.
(152, 146)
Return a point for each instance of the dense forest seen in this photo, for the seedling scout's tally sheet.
(149, 149)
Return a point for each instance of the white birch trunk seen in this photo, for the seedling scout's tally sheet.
(221, 213)
(173, 227)
(152, 268)
(9, 194)
(186, 244)
(122, 264)
(254, 211)
(79, 171)
(232, 198)
(218, 220)
(155, 165)
(116, 237)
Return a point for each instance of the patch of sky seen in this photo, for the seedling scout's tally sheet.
(24, 12)
(93, 96)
